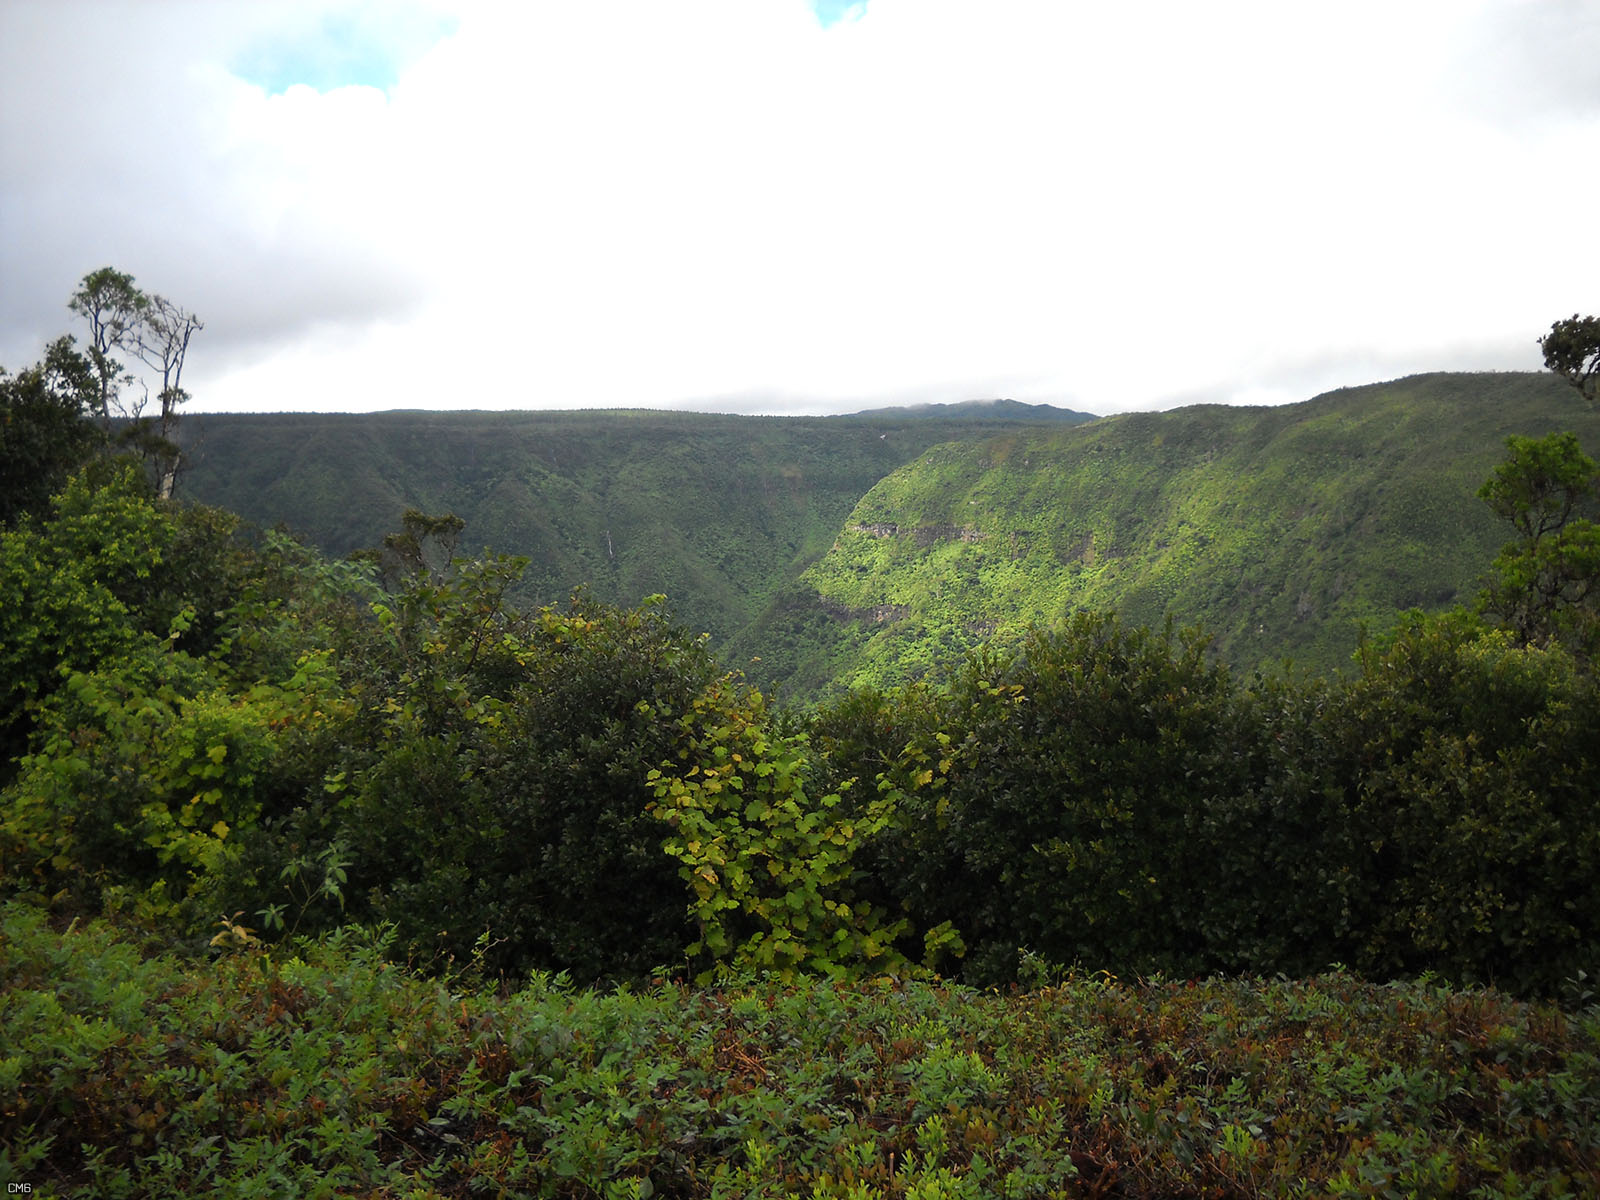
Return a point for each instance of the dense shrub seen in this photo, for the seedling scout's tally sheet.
(1074, 777)
(198, 724)
(149, 781)
(1106, 796)
(167, 715)
(503, 785)
(46, 431)
(1473, 782)
(1283, 857)
(76, 587)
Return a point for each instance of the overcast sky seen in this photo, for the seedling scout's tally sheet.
(805, 205)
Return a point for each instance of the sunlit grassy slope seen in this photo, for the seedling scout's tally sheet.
(1280, 530)
(717, 512)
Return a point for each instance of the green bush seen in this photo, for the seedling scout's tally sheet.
(1062, 796)
(150, 779)
(1474, 787)
(503, 784)
(1106, 796)
(77, 584)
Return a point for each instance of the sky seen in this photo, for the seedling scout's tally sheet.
(804, 206)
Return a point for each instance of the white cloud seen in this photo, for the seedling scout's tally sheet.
(611, 203)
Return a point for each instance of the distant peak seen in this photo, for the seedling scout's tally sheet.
(992, 408)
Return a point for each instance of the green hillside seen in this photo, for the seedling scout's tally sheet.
(1280, 530)
(717, 512)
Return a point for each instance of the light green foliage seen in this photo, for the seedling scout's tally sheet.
(74, 586)
(1281, 531)
(771, 869)
(146, 777)
(166, 701)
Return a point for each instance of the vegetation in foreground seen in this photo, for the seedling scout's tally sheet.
(200, 724)
(326, 1070)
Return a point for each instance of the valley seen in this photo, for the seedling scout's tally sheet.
(823, 552)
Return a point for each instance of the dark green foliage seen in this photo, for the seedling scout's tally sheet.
(1572, 350)
(1284, 859)
(1066, 785)
(1106, 796)
(1546, 585)
(47, 429)
(423, 548)
(500, 784)
(1473, 769)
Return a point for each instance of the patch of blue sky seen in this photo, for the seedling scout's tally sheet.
(831, 12)
(343, 49)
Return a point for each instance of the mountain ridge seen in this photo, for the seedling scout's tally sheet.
(817, 551)
(714, 510)
(1281, 530)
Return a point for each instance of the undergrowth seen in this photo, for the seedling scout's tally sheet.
(331, 1071)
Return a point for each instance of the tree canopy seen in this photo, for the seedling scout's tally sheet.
(1572, 350)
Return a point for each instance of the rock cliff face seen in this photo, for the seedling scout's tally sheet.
(923, 535)
(929, 535)
(876, 614)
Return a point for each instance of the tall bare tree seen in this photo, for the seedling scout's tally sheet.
(163, 344)
(124, 320)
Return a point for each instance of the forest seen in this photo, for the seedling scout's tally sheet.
(824, 553)
(360, 876)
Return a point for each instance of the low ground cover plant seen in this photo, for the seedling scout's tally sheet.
(326, 1070)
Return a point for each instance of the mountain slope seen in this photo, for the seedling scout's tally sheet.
(718, 512)
(1281, 530)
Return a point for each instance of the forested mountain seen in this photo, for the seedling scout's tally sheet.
(921, 532)
(717, 512)
(1279, 530)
